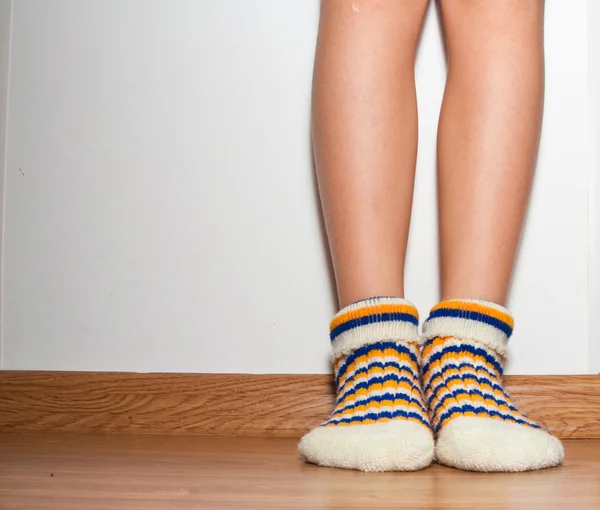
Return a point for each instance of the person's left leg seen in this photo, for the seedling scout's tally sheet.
(487, 144)
(487, 140)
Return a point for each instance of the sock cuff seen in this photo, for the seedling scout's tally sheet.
(474, 319)
(373, 320)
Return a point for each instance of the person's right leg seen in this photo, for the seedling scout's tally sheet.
(365, 142)
(364, 116)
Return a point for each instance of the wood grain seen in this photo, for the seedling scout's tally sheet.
(131, 472)
(234, 404)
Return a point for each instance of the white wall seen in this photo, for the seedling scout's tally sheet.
(161, 210)
(5, 24)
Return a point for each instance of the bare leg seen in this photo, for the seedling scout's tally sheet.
(365, 139)
(488, 137)
(487, 141)
(365, 136)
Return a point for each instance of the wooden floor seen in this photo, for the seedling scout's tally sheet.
(79, 472)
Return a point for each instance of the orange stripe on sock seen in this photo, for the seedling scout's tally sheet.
(372, 310)
(458, 304)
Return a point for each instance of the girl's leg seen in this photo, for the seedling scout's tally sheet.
(488, 138)
(487, 141)
(365, 139)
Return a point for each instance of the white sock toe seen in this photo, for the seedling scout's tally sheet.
(379, 421)
(397, 445)
(485, 444)
(478, 426)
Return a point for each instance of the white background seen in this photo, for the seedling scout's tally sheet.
(160, 208)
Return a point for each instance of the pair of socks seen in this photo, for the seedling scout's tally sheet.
(404, 399)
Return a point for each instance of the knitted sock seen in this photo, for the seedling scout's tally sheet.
(477, 425)
(380, 421)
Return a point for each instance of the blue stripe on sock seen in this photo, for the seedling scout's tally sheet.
(474, 316)
(373, 416)
(463, 377)
(375, 380)
(380, 398)
(476, 351)
(371, 319)
(365, 349)
(390, 364)
(463, 391)
(440, 374)
(469, 408)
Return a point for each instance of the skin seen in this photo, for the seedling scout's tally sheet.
(487, 140)
(365, 139)
(364, 129)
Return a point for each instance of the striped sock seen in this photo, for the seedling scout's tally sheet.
(380, 421)
(477, 425)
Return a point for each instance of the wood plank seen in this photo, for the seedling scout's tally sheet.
(131, 472)
(238, 404)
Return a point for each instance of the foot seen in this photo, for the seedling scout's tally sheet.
(478, 427)
(380, 421)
